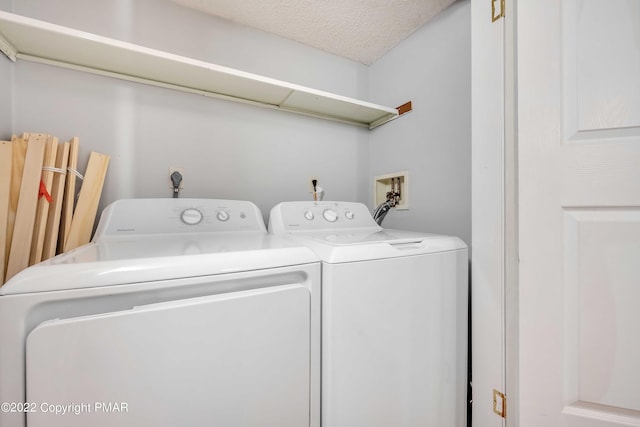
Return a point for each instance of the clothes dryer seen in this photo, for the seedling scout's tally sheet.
(394, 317)
(181, 312)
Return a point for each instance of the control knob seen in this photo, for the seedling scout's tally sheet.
(330, 215)
(191, 216)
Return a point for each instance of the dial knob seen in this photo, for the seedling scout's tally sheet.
(222, 216)
(330, 215)
(309, 215)
(349, 214)
(191, 216)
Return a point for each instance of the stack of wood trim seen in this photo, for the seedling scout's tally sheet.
(39, 217)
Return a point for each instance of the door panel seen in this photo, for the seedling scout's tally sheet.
(601, 64)
(394, 342)
(579, 203)
(236, 359)
(601, 248)
(606, 70)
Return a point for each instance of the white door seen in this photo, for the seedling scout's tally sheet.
(579, 204)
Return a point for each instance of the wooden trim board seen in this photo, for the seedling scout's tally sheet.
(55, 208)
(42, 211)
(26, 211)
(68, 205)
(85, 212)
(6, 158)
(17, 168)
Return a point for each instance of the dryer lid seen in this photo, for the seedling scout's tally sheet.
(143, 240)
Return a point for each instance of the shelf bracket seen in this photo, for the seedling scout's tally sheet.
(7, 48)
(404, 108)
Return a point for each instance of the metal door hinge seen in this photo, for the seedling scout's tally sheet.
(499, 403)
(494, 16)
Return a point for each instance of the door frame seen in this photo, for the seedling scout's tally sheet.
(495, 176)
(511, 243)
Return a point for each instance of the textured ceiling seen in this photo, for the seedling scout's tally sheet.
(360, 30)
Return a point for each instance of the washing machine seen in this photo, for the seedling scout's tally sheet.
(394, 317)
(180, 312)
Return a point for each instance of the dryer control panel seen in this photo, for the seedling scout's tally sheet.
(325, 215)
(131, 217)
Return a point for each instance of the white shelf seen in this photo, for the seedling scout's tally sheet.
(32, 40)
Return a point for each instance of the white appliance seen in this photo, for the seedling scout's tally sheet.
(394, 317)
(181, 312)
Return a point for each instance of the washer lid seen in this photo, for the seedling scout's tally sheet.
(360, 245)
(366, 236)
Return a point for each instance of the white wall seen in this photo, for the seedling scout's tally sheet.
(231, 150)
(228, 150)
(6, 88)
(6, 95)
(431, 68)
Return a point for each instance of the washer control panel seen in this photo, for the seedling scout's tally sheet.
(309, 216)
(132, 217)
